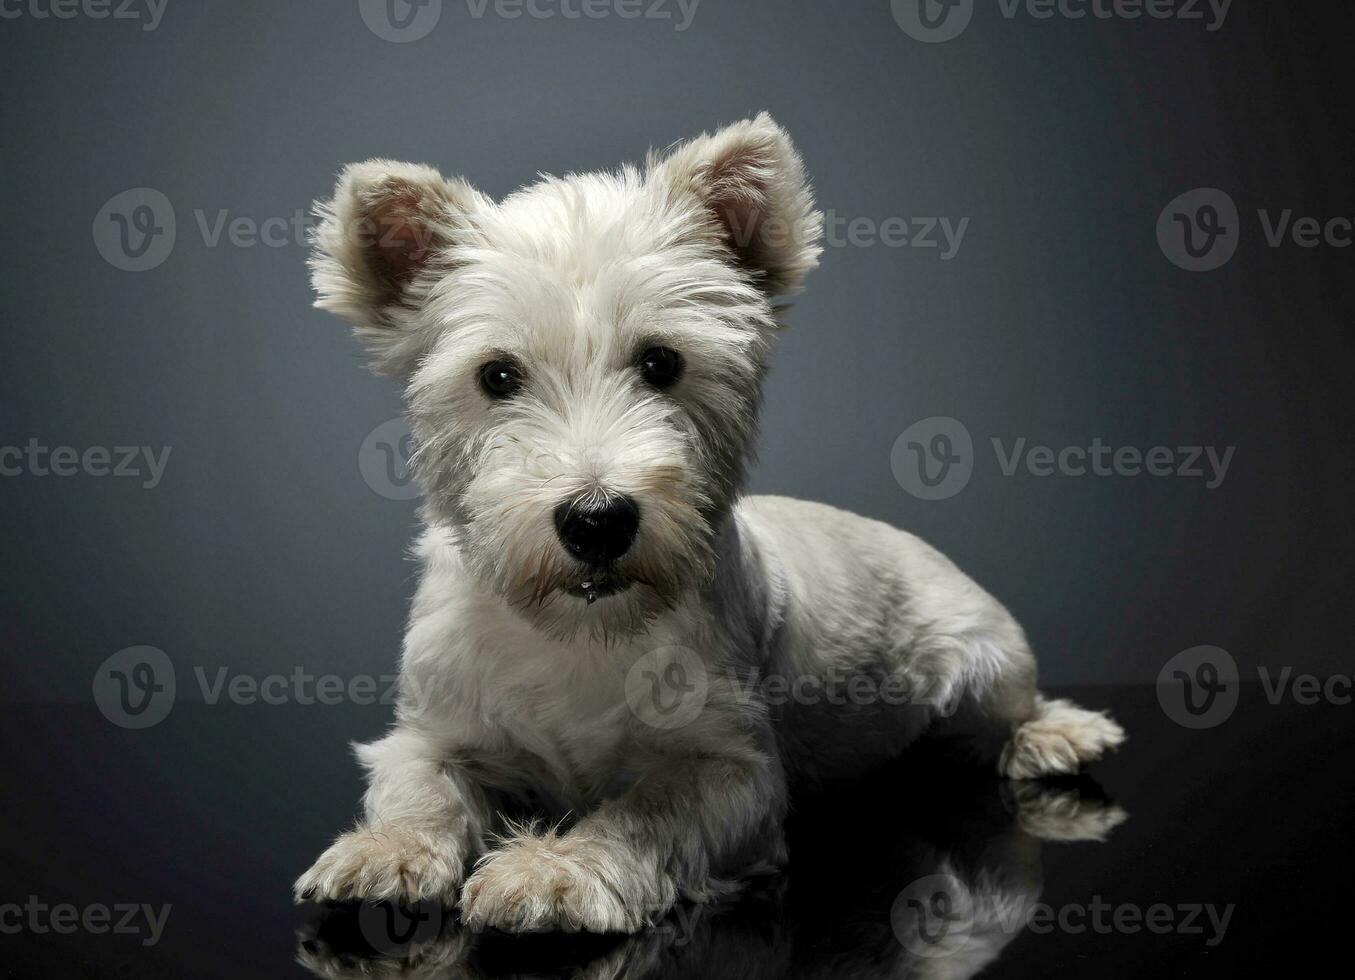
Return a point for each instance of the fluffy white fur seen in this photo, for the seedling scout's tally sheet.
(513, 700)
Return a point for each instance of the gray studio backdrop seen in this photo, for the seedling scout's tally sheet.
(1056, 232)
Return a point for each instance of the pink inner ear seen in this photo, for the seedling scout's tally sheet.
(736, 180)
(737, 197)
(402, 247)
(742, 220)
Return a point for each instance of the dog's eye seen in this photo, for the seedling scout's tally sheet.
(500, 379)
(661, 366)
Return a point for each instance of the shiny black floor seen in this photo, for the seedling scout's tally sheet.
(1223, 852)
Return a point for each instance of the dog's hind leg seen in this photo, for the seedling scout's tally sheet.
(1001, 719)
(1059, 739)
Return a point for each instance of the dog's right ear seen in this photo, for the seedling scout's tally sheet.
(383, 240)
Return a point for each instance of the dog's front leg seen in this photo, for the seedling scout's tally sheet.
(425, 820)
(688, 821)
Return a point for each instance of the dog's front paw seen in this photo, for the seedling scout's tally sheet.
(553, 884)
(384, 863)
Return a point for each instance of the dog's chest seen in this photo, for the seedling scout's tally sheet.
(575, 729)
(549, 713)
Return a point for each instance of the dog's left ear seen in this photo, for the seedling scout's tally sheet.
(753, 187)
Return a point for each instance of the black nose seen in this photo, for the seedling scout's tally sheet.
(597, 531)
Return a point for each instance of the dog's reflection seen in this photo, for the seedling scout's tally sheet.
(942, 898)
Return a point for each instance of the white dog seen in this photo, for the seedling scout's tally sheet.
(606, 634)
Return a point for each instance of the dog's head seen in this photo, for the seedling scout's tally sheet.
(583, 360)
